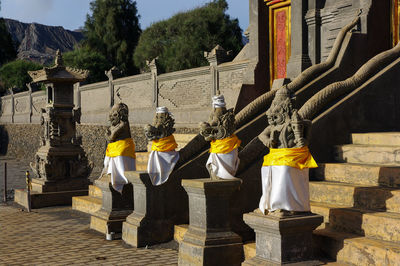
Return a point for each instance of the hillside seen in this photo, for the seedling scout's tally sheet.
(39, 42)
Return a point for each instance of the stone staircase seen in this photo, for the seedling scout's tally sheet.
(92, 203)
(359, 198)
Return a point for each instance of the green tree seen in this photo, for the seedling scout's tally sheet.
(7, 49)
(15, 73)
(180, 41)
(113, 30)
(93, 61)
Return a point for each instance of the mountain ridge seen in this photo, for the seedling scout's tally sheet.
(39, 43)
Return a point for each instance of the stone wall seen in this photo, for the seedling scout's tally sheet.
(186, 93)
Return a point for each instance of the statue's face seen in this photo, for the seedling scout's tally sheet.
(159, 119)
(276, 115)
(114, 116)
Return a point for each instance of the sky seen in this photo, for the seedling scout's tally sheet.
(71, 14)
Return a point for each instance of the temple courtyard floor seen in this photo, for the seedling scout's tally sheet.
(61, 236)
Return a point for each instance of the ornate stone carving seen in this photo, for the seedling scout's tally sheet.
(119, 128)
(286, 129)
(60, 156)
(220, 125)
(163, 126)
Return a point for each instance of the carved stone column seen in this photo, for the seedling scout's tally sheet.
(299, 59)
(154, 78)
(313, 20)
(282, 240)
(114, 210)
(148, 224)
(209, 239)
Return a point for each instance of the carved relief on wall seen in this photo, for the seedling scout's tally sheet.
(20, 105)
(123, 92)
(38, 103)
(6, 106)
(184, 93)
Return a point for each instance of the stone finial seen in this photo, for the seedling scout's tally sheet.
(113, 73)
(217, 55)
(58, 59)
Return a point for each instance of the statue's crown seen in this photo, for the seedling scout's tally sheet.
(283, 92)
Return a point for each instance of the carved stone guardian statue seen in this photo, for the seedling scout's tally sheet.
(120, 154)
(219, 130)
(163, 156)
(285, 169)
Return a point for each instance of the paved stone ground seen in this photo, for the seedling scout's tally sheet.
(61, 236)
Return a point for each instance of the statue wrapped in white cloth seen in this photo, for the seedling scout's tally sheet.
(163, 156)
(120, 154)
(223, 161)
(285, 170)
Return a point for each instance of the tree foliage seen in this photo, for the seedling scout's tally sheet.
(113, 31)
(179, 42)
(15, 73)
(93, 61)
(7, 49)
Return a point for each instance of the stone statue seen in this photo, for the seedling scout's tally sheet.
(120, 154)
(163, 125)
(286, 129)
(219, 130)
(119, 128)
(163, 156)
(285, 168)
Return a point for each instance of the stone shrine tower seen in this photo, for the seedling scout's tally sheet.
(60, 163)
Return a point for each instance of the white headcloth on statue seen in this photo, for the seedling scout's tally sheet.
(161, 109)
(218, 101)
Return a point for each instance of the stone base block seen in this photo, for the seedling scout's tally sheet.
(106, 222)
(47, 199)
(192, 254)
(140, 232)
(42, 186)
(282, 240)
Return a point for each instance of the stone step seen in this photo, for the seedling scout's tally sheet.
(366, 154)
(361, 174)
(86, 204)
(141, 166)
(356, 250)
(95, 192)
(142, 157)
(363, 197)
(378, 138)
(376, 225)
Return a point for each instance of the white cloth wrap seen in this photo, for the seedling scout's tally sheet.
(160, 165)
(224, 165)
(284, 187)
(116, 166)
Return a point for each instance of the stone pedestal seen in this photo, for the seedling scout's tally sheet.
(114, 210)
(209, 239)
(282, 240)
(149, 223)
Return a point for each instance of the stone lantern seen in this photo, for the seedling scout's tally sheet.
(61, 167)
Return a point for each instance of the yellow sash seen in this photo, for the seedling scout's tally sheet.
(164, 144)
(125, 147)
(295, 157)
(225, 145)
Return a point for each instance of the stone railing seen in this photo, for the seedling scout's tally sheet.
(186, 93)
